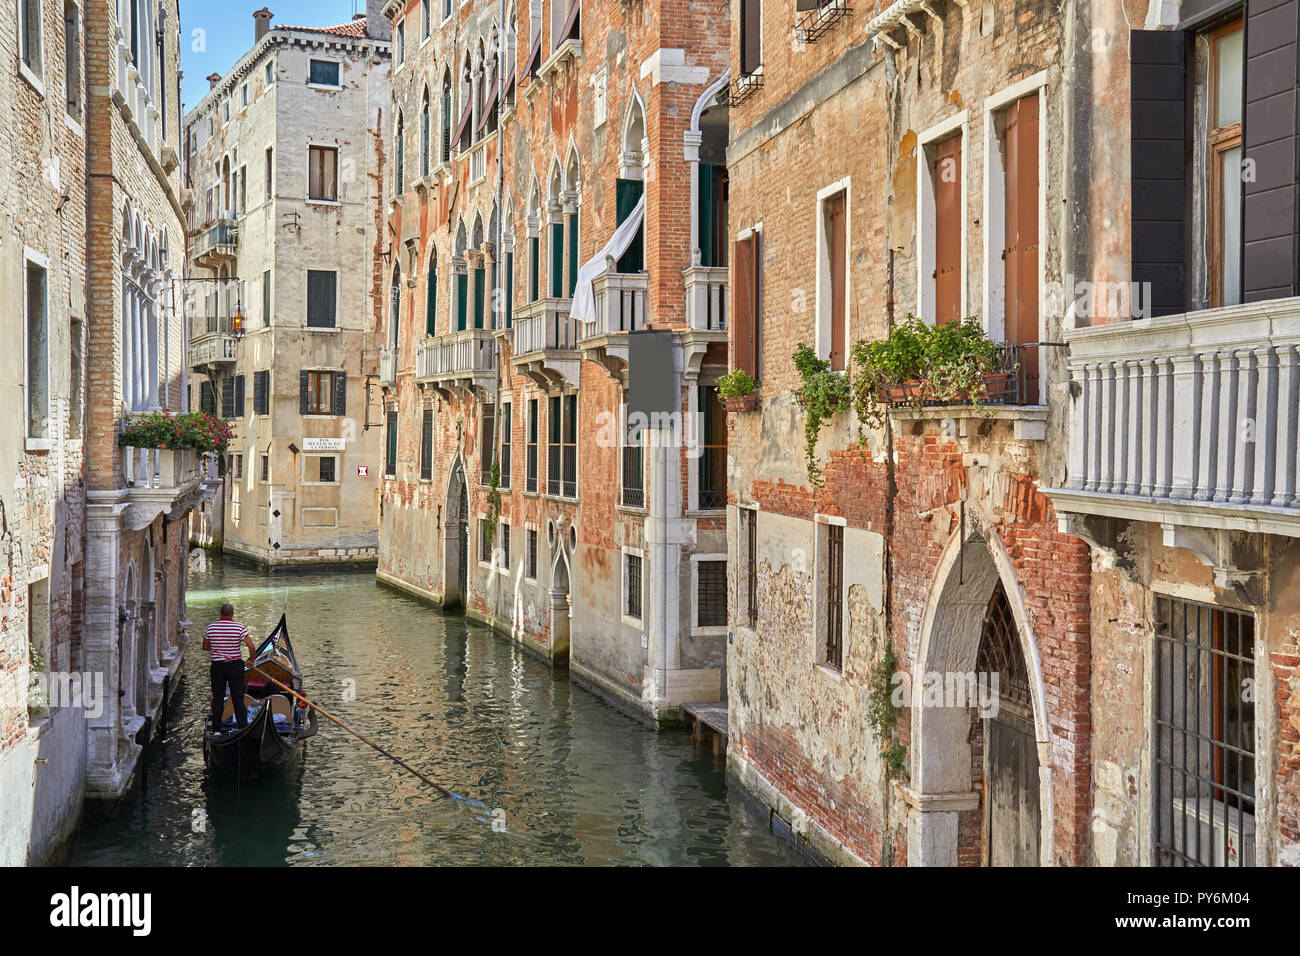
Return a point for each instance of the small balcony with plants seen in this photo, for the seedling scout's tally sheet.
(161, 460)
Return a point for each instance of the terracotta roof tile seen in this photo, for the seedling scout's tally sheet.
(353, 28)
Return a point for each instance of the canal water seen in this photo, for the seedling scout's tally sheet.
(544, 772)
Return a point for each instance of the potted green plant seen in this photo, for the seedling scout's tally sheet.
(919, 363)
(824, 392)
(736, 391)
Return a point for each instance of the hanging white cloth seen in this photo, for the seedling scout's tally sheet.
(583, 307)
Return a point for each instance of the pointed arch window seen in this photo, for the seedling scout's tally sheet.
(431, 296)
(425, 132)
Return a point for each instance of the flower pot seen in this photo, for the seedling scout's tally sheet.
(903, 393)
(744, 403)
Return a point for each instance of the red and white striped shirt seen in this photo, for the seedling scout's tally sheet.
(224, 638)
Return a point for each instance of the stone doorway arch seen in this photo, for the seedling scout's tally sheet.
(975, 594)
(455, 566)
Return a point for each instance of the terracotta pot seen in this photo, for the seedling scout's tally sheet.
(745, 403)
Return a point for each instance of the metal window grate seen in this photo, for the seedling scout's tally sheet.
(634, 585)
(426, 445)
(1204, 735)
(505, 546)
(750, 517)
(633, 477)
(834, 596)
(532, 554)
(711, 605)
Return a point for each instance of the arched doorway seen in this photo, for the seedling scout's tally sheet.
(981, 762)
(456, 541)
(559, 595)
(1011, 820)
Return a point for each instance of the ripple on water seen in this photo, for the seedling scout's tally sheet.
(546, 774)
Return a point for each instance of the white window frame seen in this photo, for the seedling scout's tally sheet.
(821, 540)
(995, 228)
(338, 468)
(697, 631)
(338, 178)
(531, 527)
(270, 73)
(37, 80)
(822, 293)
(926, 212)
(324, 86)
(628, 619)
(504, 566)
(30, 255)
(320, 328)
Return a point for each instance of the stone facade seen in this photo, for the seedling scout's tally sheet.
(939, 510)
(95, 535)
(137, 501)
(302, 473)
(595, 105)
(42, 217)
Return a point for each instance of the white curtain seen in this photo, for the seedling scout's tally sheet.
(583, 308)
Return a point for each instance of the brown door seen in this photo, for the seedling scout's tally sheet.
(947, 231)
(1012, 792)
(835, 247)
(1020, 257)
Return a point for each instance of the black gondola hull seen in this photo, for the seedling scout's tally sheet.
(259, 750)
(255, 752)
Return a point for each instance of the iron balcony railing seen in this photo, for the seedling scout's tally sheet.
(219, 235)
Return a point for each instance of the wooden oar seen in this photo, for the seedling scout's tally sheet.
(443, 790)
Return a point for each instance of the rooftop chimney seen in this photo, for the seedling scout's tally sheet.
(378, 26)
(261, 23)
(213, 80)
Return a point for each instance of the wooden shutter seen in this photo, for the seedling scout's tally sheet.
(836, 251)
(751, 27)
(573, 253)
(228, 397)
(947, 231)
(1158, 135)
(240, 396)
(340, 393)
(431, 301)
(259, 392)
(302, 393)
(807, 4)
(1020, 257)
(1271, 133)
(743, 305)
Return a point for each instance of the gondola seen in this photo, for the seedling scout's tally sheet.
(277, 723)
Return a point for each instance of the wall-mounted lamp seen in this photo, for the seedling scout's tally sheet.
(293, 448)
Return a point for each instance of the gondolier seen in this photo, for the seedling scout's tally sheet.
(224, 639)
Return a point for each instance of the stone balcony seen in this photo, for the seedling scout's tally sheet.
(158, 481)
(212, 341)
(388, 367)
(620, 307)
(706, 298)
(1190, 421)
(464, 359)
(545, 343)
(215, 243)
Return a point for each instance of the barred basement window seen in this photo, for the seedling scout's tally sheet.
(507, 422)
(486, 444)
(426, 445)
(327, 470)
(483, 551)
(711, 594)
(749, 530)
(633, 469)
(505, 546)
(1204, 735)
(390, 445)
(633, 585)
(833, 650)
(266, 468)
(531, 568)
